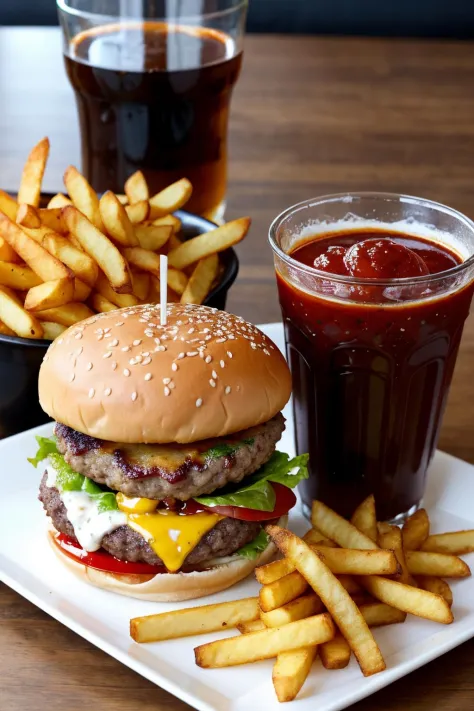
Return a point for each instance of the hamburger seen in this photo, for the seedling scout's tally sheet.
(163, 469)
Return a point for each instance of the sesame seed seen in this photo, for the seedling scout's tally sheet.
(100, 337)
(208, 359)
(106, 330)
(91, 392)
(191, 330)
(181, 355)
(149, 333)
(107, 391)
(268, 352)
(78, 336)
(114, 365)
(125, 349)
(220, 340)
(148, 376)
(59, 341)
(113, 343)
(222, 364)
(134, 396)
(172, 385)
(126, 372)
(146, 361)
(71, 377)
(199, 402)
(166, 381)
(214, 374)
(157, 340)
(89, 366)
(137, 342)
(107, 355)
(174, 366)
(107, 335)
(229, 354)
(119, 323)
(192, 353)
(212, 383)
(166, 390)
(227, 390)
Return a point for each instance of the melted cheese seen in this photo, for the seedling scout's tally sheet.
(135, 505)
(171, 536)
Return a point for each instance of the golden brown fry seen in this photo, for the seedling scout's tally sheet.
(201, 280)
(103, 286)
(15, 317)
(83, 266)
(282, 591)
(100, 304)
(390, 538)
(52, 330)
(8, 205)
(408, 599)
(37, 257)
(170, 199)
(101, 249)
(32, 176)
(456, 543)
(50, 294)
(365, 519)
(349, 584)
(377, 614)
(82, 291)
(7, 253)
(338, 529)
(203, 245)
(269, 573)
(150, 262)
(6, 331)
(304, 606)
(336, 599)
(316, 537)
(116, 221)
(53, 219)
(153, 237)
(290, 672)
(123, 199)
(437, 564)
(58, 201)
(65, 315)
(170, 220)
(193, 620)
(177, 280)
(416, 530)
(438, 586)
(136, 188)
(28, 216)
(252, 626)
(335, 654)
(17, 276)
(83, 197)
(141, 285)
(39, 233)
(266, 643)
(138, 212)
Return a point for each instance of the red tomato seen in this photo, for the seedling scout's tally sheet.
(285, 500)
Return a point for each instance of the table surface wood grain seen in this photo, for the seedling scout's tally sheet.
(310, 116)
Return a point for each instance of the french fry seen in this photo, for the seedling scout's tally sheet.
(282, 591)
(338, 529)
(252, 626)
(304, 606)
(316, 537)
(52, 218)
(28, 216)
(141, 285)
(270, 572)
(116, 221)
(58, 201)
(123, 199)
(168, 220)
(177, 280)
(121, 301)
(6, 331)
(194, 620)
(83, 197)
(7, 253)
(100, 304)
(83, 266)
(170, 199)
(390, 538)
(150, 262)
(101, 249)
(75, 242)
(335, 654)
(136, 188)
(416, 530)
(173, 243)
(50, 294)
(364, 518)
(265, 644)
(82, 291)
(15, 317)
(377, 614)
(437, 564)
(408, 599)
(456, 543)
(52, 330)
(206, 244)
(138, 212)
(349, 584)
(153, 237)
(438, 586)
(32, 176)
(201, 280)
(37, 257)
(17, 276)
(65, 315)
(334, 596)
(290, 672)
(8, 205)
(38, 233)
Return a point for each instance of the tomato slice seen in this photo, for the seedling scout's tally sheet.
(285, 500)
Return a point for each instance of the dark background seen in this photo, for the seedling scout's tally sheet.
(417, 18)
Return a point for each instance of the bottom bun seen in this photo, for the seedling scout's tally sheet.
(170, 587)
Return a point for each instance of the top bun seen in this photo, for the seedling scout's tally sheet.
(120, 376)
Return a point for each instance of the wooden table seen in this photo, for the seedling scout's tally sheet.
(310, 116)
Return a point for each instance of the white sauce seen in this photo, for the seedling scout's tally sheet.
(90, 525)
(50, 476)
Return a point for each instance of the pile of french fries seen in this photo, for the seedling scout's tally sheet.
(324, 596)
(83, 254)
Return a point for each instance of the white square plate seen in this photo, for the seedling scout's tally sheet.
(29, 566)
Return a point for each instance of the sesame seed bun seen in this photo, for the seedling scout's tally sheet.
(122, 377)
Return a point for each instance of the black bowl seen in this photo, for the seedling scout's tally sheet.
(21, 358)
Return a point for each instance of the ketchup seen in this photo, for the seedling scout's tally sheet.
(371, 364)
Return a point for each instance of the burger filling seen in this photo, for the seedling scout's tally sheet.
(180, 507)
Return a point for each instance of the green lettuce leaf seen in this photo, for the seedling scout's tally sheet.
(258, 493)
(253, 549)
(69, 480)
(224, 449)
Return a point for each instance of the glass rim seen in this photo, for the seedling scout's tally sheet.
(361, 281)
(67, 10)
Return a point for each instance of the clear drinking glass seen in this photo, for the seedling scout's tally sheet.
(153, 81)
(371, 359)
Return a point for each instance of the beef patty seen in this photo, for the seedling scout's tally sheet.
(157, 471)
(227, 536)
